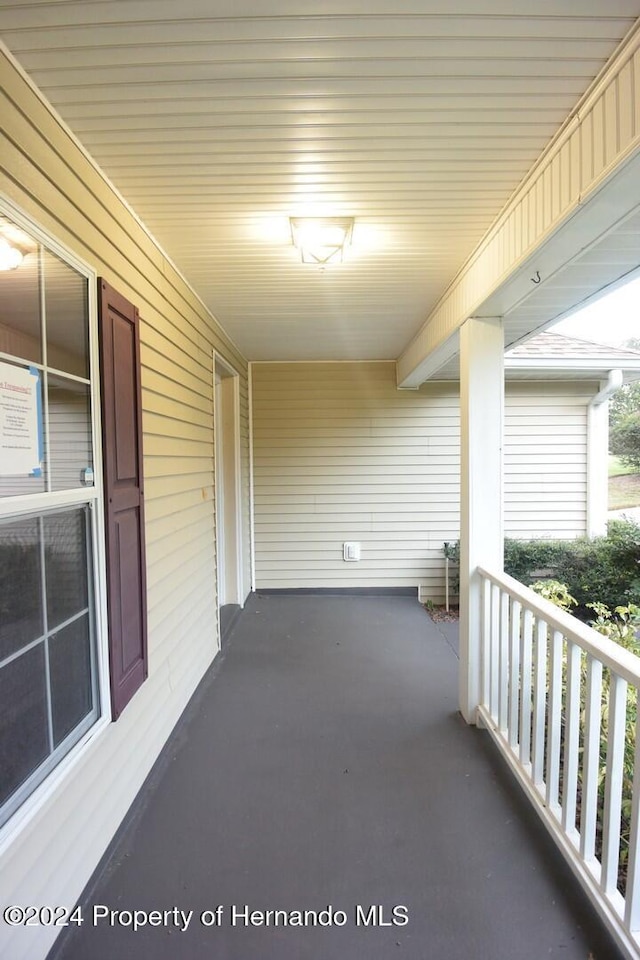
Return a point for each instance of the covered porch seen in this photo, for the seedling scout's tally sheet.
(486, 166)
(322, 762)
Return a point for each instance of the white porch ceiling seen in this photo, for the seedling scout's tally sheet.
(219, 119)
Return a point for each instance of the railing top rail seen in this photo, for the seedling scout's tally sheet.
(612, 655)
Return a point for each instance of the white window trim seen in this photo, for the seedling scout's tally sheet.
(15, 506)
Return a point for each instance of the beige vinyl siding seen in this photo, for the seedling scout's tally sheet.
(545, 459)
(51, 180)
(341, 454)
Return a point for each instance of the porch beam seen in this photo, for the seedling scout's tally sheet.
(481, 487)
(580, 188)
(430, 365)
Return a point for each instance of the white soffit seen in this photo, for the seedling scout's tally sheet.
(217, 123)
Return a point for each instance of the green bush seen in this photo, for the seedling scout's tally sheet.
(604, 570)
(556, 592)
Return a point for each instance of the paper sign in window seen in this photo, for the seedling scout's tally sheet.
(19, 421)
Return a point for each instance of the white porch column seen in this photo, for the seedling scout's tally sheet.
(481, 484)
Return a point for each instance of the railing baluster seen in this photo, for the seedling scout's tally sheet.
(514, 672)
(548, 723)
(495, 634)
(591, 759)
(632, 905)
(503, 670)
(571, 739)
(539, 702)
(554, 735)
(486, 642)
(525, 696)
(613, 783)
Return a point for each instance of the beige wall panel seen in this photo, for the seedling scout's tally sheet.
(167, 532)
(165, 426)
(170, 407)
(169, 381)
(172, 623)
(180, 540)
(176, 364)
(340, 454)
(158, 446)
(334, 460)
(169, 570)
(159, 467)
(166, 618)
(156, 488)
(45, 174)
(194, 358)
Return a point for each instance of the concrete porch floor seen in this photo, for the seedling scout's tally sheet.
(323, 762)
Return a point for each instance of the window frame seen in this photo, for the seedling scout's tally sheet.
(39, 504)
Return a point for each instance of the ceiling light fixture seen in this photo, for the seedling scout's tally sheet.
(10, 256)
(321, 239)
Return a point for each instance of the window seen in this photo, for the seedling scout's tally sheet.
(49, 690)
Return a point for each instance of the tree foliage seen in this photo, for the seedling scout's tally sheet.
(626, 400)
(624, 439)
(623, 403)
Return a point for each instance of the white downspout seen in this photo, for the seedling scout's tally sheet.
(597, 450)
(612, 385)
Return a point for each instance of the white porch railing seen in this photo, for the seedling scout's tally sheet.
(558, 698)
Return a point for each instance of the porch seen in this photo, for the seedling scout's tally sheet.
(323, 761)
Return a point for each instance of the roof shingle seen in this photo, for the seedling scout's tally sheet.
(554, 346)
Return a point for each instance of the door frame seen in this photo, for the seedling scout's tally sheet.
(229, 550)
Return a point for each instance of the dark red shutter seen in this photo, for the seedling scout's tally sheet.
(123, 490)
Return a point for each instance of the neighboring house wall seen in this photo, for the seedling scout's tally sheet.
(545, 459)
(48, 177)
(341, 454)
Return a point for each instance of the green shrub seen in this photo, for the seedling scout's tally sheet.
(621, 625)
(528, 560)
(602, 570)
(556, 592)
